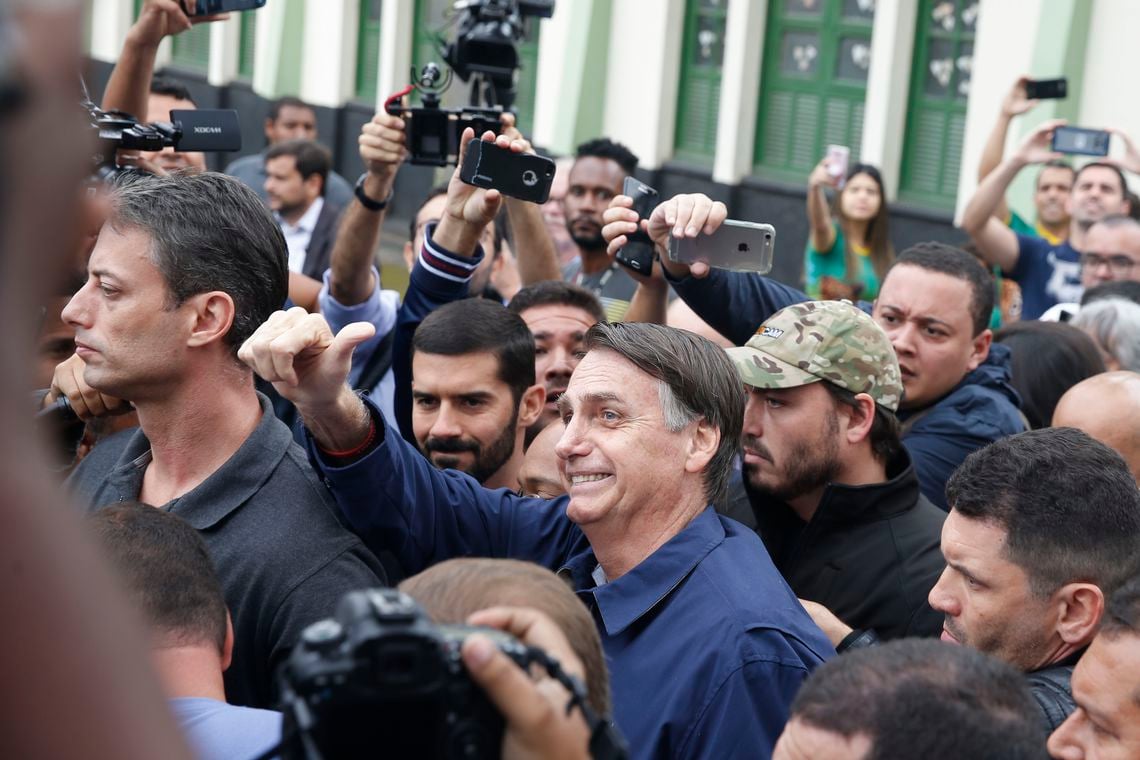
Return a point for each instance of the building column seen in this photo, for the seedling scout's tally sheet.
(642, 78)
(888, 88)
(739, 90)
(277, 52)
(110, 20)
(328, 58)
(225, 44)
(397, 20)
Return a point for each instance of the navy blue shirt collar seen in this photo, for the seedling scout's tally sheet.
(622, 601)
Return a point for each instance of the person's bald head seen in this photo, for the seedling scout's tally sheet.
(538, 475)
(1107, 408)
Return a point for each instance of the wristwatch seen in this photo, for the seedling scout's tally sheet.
(369, 203)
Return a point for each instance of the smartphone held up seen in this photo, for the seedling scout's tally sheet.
(637, 254)
(520, 175)
(736, 245)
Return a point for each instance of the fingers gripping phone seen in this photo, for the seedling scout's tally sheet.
(637, 253)
(736, 245)
(1084, 142)
(520, 175)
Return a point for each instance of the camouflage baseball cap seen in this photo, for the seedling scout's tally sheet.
(822, 340)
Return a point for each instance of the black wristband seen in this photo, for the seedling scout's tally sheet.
(857, 639)
(369, 203)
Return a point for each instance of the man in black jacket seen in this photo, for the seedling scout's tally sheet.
(1044, 526)
(832, 490)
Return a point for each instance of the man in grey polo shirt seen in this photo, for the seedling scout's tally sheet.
(184, 270)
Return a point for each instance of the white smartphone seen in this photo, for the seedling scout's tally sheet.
(736, 245)
(837, 158)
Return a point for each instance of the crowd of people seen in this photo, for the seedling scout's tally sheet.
(892, 514)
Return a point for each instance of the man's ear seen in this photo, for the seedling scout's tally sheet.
(313, 184)
(409, 255)
(980, 348)
(228, 644)
(213, 316)
(1081, 607)
(530, 405)
(860, 419)
(702, 446)
(268, 129)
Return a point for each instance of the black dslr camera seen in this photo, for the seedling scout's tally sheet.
(204, 129)
(381, 680)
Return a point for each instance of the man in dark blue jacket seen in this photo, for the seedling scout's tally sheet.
(707, 644)
(934, 305)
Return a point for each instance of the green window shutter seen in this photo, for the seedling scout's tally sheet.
(246, 45)
(431, 15)
(936, 108)
(527, 76)
(191, 49)
(698, 97)
(368, 50)
(814, 83)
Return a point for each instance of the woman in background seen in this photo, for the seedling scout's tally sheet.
(848, 249)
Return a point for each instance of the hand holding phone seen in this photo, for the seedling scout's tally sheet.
(736, 245)
(520, 175)
(637, 254)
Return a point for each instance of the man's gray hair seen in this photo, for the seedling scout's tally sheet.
(1114, 323)
(697, 381)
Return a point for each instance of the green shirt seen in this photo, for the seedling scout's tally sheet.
(833, 263)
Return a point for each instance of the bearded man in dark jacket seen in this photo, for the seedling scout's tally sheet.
(831, 489)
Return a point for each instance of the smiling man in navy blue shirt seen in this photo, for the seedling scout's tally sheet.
(707, 645)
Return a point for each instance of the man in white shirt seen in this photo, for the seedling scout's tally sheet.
(296, 175)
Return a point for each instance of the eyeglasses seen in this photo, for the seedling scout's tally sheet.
(1119, 264)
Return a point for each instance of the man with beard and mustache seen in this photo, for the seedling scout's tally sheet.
(835, 497)
(474, 391)
(296, 176)
(1044, 527)
(1048, 273)
(600, 168)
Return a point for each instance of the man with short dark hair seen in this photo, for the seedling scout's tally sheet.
(912, 699)
(295, 183)
(1047, 273)
(832, 490)
(1106, 722)
(165, 568)
(473, 390)
(184, 270)
(289, 118)
(558, 315)
(706, 642)
(167, 95)
(1043, 527)
(934, 305)
(1111, 252)
(599, 171)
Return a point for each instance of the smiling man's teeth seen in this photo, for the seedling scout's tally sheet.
(586, 478)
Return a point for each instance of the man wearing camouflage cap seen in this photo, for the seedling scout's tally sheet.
(835, 497)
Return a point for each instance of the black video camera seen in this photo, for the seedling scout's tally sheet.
(380, 679)
(433, 132)
(204, 129)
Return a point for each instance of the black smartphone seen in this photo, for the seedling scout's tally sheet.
(637, 253)
(1084, 142)
(1047, 89)
(210, 7)
(519, 175)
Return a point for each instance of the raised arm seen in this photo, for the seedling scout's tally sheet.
(820, 227)
(382, 148)
(128, 88)
(732, 303)
(534, 250)
(1013, 104)
(997, 242)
